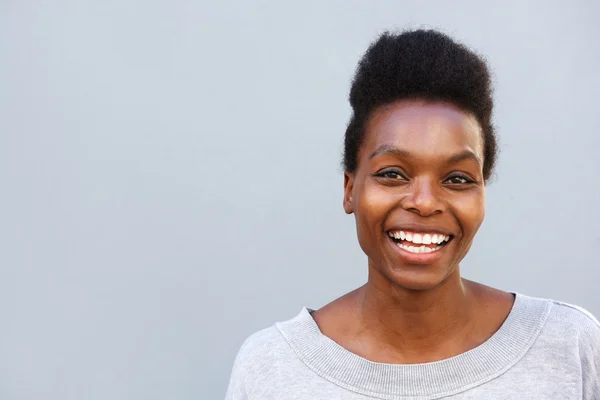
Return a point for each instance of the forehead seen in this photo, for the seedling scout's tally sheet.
(432, 129)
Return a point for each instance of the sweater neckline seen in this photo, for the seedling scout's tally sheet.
(424, 381)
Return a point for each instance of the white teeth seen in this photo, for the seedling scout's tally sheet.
(418, 249)
(418, 238)
(427, 239)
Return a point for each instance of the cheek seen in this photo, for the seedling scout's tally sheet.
(371, 206)
(471, 212)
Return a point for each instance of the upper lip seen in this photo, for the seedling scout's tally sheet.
(420, 229)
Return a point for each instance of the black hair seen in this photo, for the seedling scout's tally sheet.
(420, 64)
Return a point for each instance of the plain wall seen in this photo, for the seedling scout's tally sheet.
(170, 177)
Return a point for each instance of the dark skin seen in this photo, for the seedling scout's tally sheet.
(419, 169)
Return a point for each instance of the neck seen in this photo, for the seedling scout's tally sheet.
(409, 321)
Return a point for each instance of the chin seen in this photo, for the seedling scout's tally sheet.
(417, 278)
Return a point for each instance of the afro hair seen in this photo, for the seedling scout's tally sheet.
(420, 64)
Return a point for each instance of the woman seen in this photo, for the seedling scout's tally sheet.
(419, 149)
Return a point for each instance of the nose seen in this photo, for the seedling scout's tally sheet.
(424, 197)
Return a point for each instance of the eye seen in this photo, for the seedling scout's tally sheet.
(391, 174)
(458, 180)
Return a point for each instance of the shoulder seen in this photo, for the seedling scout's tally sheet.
(267, 347)
(258, 357)
(259, 347)
(568, 340)
(575, 318)
(585, 330)
(563, 325)
(559, 316)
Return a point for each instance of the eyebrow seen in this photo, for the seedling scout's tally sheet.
(397, 152)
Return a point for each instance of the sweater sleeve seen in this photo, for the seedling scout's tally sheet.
(236, 389)
(589, 350)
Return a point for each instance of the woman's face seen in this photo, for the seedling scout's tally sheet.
(418, 191)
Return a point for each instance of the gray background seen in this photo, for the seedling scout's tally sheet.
(170, 176)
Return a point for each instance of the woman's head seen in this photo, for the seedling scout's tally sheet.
(418, 151)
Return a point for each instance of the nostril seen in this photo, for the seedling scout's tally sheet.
(424, 212)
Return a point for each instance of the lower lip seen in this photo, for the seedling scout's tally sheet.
(418, 258)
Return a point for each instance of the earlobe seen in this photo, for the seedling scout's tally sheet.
(348, 186)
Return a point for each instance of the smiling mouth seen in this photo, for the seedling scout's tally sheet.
(419, 242)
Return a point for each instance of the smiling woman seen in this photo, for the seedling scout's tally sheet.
(419, 150)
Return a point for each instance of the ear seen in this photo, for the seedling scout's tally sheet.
(348, 186)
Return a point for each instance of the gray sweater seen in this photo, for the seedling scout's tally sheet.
(544, 350)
